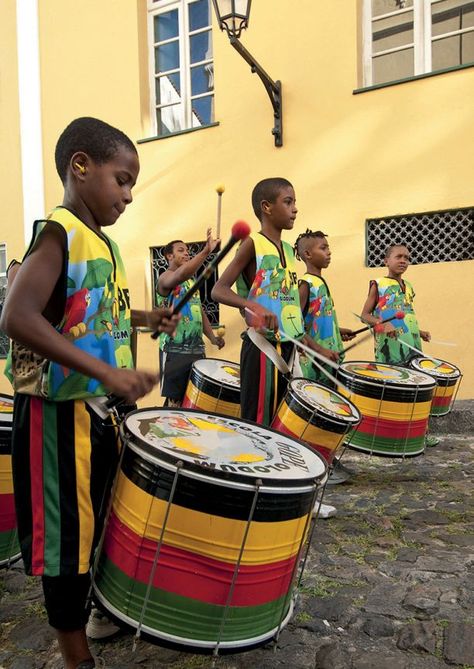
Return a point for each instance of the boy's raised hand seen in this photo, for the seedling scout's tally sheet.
(260, 318)
(346, 334)
(425, 335)
(211, 243)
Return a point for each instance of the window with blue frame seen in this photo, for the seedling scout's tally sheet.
(181, 64)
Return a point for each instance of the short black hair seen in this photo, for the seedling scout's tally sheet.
(267, 189)
(309, 234)
(168, 249)
(390, 248)
(99, 140)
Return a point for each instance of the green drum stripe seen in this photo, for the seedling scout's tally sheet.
(52, 514)
(387, 445)
(9, 545)
(184, 617)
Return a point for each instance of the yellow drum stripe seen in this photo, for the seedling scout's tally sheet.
(308, 432)
(202, 533)
(206, 402)
(400, 411)
(444, 391)
(6, 480)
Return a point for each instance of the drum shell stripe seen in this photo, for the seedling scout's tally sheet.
(6, 477)
(204, 534)
(7, 513)
(201, 384)
(182, 572)
(391, 410)
(392, 429)
(9, 547)
(186, 617)
(201, 401)
(213, 497)
(387, 446)
(390, 393)
(309, 437)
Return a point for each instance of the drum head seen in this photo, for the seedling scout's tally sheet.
(221, 446)
(316, 397)
(376, 373)
(439, 370)
(220, 372)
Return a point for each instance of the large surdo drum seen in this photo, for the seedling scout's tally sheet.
(447, 377)
(214, 385)
(9, 547)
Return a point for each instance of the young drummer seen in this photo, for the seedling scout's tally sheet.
(317, 304)
(267, 295)
(320, 318)
(69, 318)
(387, 295)
(178, 353)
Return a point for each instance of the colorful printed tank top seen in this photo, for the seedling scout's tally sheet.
(188, 337)
(275, 286)
(96, 315)
(321, 324)
(393, 297)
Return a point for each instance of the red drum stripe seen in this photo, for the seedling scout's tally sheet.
(442, 401)
(37, 496)
(393, 428)
(327, 453)
(194, 576)
(7, 513)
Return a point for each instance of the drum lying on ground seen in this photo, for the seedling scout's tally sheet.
(447, 377)
(231, 503)
(214, 385)
(395, 405)
(9, 547)
(319, 416)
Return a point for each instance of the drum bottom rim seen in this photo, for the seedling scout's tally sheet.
(203, 647)
(385, 454)
(9, 561)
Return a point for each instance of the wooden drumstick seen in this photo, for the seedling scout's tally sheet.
(219, 190)
(399, 315)
(240, 230)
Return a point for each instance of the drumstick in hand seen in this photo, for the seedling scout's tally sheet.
(240, 230)
(400, 315)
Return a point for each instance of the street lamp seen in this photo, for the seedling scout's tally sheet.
(233, 17)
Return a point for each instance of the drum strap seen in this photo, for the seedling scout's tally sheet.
(270, 351)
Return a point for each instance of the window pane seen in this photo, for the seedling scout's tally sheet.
(199, 14)
(169, 120)
(380, 7)
(203, 111)
(393, 66)
(452, 15)
(392, 32)
(200, 47)
(452, 51)
(167, 57)
(3, 259)
(202, 79)
(168, 89)
(166, 25)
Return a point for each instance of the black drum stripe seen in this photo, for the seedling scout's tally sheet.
(398, 394)
(213, 498)
(318, 419)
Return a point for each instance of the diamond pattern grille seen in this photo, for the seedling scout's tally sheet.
(440, 236)
(159, 264)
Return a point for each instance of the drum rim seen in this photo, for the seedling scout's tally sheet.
(210, 380)
(269, 484)
(455, 374)
(350, 420)
(394, 385)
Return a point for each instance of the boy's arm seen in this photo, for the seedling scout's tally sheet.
(303, 289)
(367, 311)
(23, 321)
(222, 291)
(209, 332)
(169, 279)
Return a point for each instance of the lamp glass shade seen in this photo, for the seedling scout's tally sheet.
(232, 15)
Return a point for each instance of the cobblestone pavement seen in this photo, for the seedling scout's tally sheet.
(388, 583)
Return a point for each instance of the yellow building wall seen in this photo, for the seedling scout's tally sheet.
(402, 149)
(11, 217)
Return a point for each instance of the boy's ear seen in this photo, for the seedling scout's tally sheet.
(265, 206)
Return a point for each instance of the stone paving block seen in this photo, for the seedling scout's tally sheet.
(459, 643)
